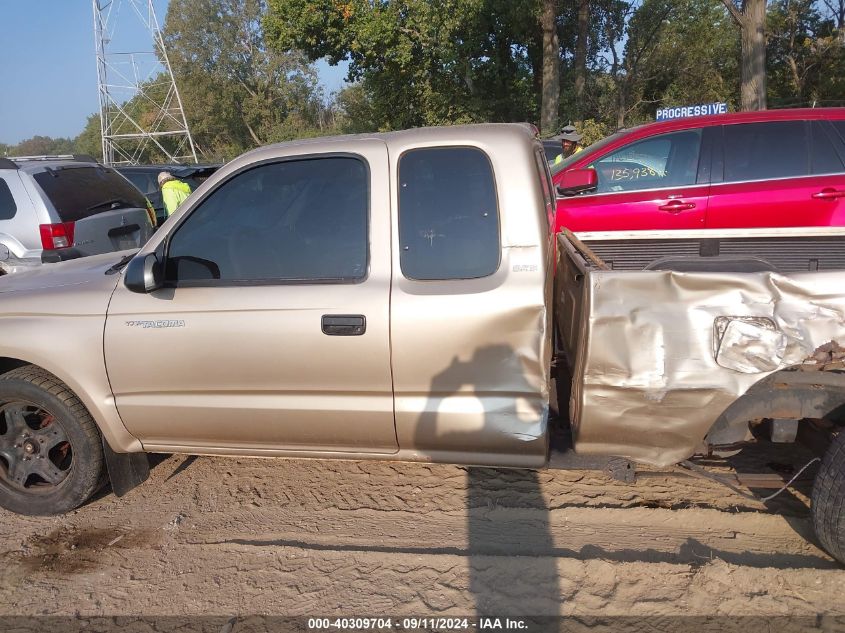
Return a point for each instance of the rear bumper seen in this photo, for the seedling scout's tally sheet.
(59, 255)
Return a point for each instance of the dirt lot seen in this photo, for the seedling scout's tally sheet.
(235, 537)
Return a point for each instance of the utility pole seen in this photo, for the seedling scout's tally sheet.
(141, 111)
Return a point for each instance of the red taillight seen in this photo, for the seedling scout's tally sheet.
(55, 236)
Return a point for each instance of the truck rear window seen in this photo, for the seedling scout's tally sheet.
(448, 214)
(80, 192)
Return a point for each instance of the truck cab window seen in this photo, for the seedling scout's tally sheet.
(295, 220)
(448, 214)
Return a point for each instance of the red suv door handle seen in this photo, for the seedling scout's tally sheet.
(829, 194)
(676, 206)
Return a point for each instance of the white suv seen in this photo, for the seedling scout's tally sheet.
(54, 208)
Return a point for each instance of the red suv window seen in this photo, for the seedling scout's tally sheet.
(667, 160)
(763, 151)
(840, 127)
(824, 159)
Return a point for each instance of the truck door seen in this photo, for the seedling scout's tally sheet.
(470, 343)
(272, 330)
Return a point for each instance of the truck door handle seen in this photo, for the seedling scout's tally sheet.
(676, 206)
(828, 193)
(344, 324)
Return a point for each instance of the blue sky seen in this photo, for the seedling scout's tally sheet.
(48, 72)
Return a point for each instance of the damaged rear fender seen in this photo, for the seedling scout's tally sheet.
(789, 394)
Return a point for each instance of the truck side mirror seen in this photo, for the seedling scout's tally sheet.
(144, 274)
(577, 181)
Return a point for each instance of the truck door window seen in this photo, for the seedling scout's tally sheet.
(763, 151)
(668, 160)
(290, 221)
(448, 214)
(8, 208)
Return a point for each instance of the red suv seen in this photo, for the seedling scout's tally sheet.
(751, 169)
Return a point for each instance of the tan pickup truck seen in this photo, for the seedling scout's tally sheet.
(391, 296)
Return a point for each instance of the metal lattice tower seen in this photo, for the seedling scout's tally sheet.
(140, 106)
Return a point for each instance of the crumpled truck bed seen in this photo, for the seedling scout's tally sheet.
(656, 356)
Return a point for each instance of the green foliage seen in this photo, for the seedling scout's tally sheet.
(357, 110)
(40, 146)
(694, 57)
(89, 141)
(245, 76)
(592, 131)
(237, 93)
(420, 62)
(806, 56)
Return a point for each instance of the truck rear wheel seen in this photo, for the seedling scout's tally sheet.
(829, 499)
(51, 456)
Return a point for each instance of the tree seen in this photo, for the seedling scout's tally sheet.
(750, 16)
(42, 145)
(423, 62)
(581, 55)
(836, 9)
(693, 58)
(806, 55)
(551, 67)
(243, 68)
(639, 26)
(89, 140)
(238, 93)
(356, 111)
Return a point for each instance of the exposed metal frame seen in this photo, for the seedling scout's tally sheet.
(124, 76)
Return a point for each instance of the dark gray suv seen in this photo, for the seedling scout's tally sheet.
(54, 208)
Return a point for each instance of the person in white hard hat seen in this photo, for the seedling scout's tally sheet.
(173, 191)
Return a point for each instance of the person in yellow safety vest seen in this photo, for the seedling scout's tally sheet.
(173, 191)
(570, 142)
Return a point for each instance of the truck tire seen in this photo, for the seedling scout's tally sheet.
(828, 499)
(51, 455)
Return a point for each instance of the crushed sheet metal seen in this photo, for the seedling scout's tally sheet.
(648, 384)
(751, 348)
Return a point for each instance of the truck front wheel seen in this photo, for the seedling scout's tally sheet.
(51, 456)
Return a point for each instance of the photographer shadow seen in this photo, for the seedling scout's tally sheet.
(511, 553)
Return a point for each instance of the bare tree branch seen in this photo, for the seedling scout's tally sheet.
(252, 133)
(736, 14)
